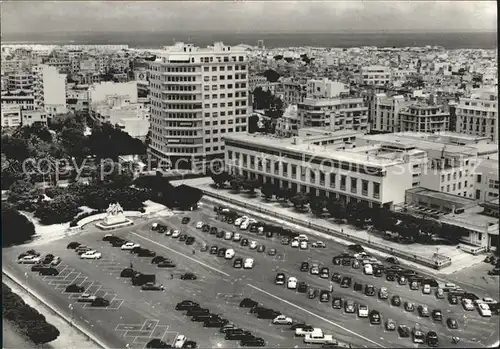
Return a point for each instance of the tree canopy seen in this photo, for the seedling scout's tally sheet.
(17, 229)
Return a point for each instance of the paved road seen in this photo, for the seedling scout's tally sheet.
(219, 280)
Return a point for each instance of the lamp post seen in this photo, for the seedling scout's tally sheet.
(71, 313)
(26, 276)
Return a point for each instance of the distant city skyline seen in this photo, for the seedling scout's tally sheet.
(24, 17)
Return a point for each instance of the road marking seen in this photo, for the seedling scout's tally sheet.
(182, 254)
(318, 316)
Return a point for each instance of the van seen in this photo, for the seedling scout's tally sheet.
(368, 269)
(229, 253)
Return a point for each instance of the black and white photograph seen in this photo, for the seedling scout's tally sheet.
(229, 174)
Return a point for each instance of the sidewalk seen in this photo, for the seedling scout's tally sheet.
(460, 259)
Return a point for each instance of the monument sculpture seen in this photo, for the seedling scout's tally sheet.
(115, 218)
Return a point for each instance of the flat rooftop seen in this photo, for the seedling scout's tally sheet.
(473, 216)
(327, 152)
(461, 200)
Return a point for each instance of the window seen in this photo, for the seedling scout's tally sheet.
(342, 182)
(354, 185)
(478, 194)
(449, 177)
(376, 190)
(448, 188)
(364, 187)
(478, 180)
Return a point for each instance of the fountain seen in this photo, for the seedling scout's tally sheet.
(114, 218)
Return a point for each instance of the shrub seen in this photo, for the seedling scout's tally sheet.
(16, 228)
(28, 320)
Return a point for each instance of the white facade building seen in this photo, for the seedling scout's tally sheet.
(197, 96)
(49, 87)
(99, 93)
(385, 112)
(288, 124)
(375, 75)
(11, 116)
(326, 88)
(478, 115)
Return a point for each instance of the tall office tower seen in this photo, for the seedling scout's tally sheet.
(478, 115)
(197, 96)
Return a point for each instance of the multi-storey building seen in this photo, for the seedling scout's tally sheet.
(478, 115)
(197, 96)
(31, 117)
(375, 75)
(24, 99)
(77, 98)
(419, 117)
(334, 113)
(99, 93)
(49, 87)
(325, 88)
(11, 116)
(20, 80)
(377, 176)
(294, 91)
(385, 112)
(288, 124)
(486, 183)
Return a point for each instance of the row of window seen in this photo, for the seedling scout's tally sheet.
(229, 95)
(224, 77)
(224, 68)
(454, 186)
(180, 78)
(229, 104)
(223, 122)
(220, 59)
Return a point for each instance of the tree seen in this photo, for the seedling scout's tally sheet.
(253, 124)
(220, 179)
(61, 209)
(300, 200)
(317, 205)
(237, 182)
(267, 190)
(337, 209)
(271, 75)
(17, 229)
(251, 185)
(22, 190)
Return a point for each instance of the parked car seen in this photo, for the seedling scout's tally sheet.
(238, 263)
(74, 288)
(151, 286)
(390, 325)
(91, 255)
(282, 320)
(129, 246)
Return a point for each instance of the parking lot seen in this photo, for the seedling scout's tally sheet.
(135, 316)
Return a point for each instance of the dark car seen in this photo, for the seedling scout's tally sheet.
(204, 317)
(71, 246)
(378, 272)
(151, 286)
(374, 317)
(48, 258)
(304, 266)
(238, 263)
(336, 260)
(248, 303)
(166, 264)
(409, 306)
(346, 282)
(390, 277)
(49, 272)
(299, 325)
(324, 273)
(423, 311)
(215, 322)
(127, 273)
(73, 288)
(213, 230)
(312, 293)
(190, 345)
(37, 267)
(183, 237)
(258, 309)
(302, 287)
(269, 234)
(194, 311)
(205, 228)
(437, 315)
(336, 277)
(404, 331)
(253, 342)
(244, 242)
(190, 240)
(269, 314)
(346, 262)
(214, 249)
(227, 327)
(396, 301)
(358, 286)
(432, 339)
(370, 290)
(146, 253)
(100, 302)
(188, 276)
(452, 323)
(221, 253)
(186, 220)
(392, 260)
(356, 248)
(186, 305)
(118, 243)
(158, 259)
(220, 234)
(324, 296)
(337, 303)
(236, 335)
(157, 343)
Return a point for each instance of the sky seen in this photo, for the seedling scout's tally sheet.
(22, 17)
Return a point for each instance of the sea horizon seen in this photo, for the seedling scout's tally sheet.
(152, 39)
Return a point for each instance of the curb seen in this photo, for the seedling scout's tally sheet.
(56, 311)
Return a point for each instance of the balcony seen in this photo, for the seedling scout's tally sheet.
(376, 195)
(364, 192)
(322, 182)
(342, 187)
(332, 184)
(285, 174)
(354, 190)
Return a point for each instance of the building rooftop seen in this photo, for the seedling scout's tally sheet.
(459, 200)
(327, 152)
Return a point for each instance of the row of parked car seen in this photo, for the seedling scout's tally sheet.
(45, 265)
(231, 332)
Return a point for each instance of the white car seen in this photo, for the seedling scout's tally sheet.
(368, 269)
(86, 298)
(229, 253)
(303, 245)
(315, 269)
(362, 311)
(228, 235)
(360, 255)
(29, 260)
(245, 225)
(301, 332)
(426, 289)
(91, 255)
(236, 237)
(295, 243)
(55, 261)
(253, 245)
(130, 246)
(199, 225)
(179, 341)
(248, 263)
(318, 244)
(176, 234)
(282, 320)
(302, 237)
(240, 220)
(467, 304)
(484, 309)
(489, 300)
(292, 283)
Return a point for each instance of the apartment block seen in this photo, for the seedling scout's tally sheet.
(334, 113)
(11, 116)
(197, 96)
(49, 89)
(478, 115)
(31, 117)
(378, 177)
(294, 90)
(20, 81)
(385, 111)
(326, 88)
(24, 99)
(288, 124)
(420, 117)
(375, 75)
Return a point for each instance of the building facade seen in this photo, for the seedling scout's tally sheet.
(385, 112)
(478, 115)
(11, 116)
(424, 118)
(375, 75)
(294, 91)
(197, 96)
(326, 88)
(49, 89)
